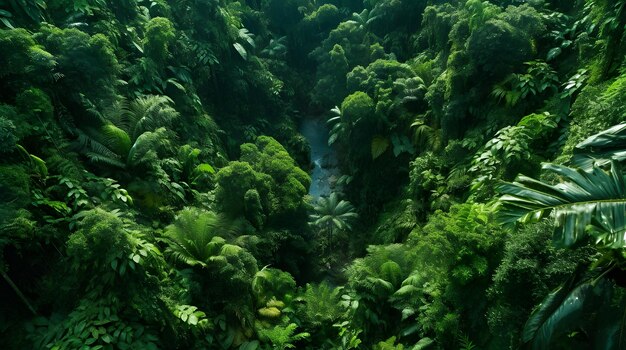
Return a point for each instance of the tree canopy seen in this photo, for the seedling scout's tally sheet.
(300, 174)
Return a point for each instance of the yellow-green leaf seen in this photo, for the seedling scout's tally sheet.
(380, 144)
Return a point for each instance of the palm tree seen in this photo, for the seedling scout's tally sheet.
(588, 205)
(331, 213)
(199, 239)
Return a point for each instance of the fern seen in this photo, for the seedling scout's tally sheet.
(116, 139)
(96, 151)
(320, 304)
(465, 343)
(196, 236)
(282, 337)
(147, 114)
(63, 165)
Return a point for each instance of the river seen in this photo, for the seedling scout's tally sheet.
(325, 171)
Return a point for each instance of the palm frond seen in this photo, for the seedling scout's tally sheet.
(564, 310)
(586, 197)
(103, 159)
(147, 144)
(332, 211)
(425, 136)
(115, 112)
(601, 148)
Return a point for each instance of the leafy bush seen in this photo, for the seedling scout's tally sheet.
(531, 267)
(159, 35)
(288, 184)
(86, 64)
(7, 135)
(14, 189)
(497, 48)
(23, 55)
(234, 181)
(457, 255)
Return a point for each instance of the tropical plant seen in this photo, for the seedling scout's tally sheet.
(539, 78)
(602, 148)
(276, 48)
(589, 205)
(147, 113)
(411, 92)
(425, 137)
(585, 197)
(330, 214)
(319, 307)
(123, 130)
(531, 267)
(510, 150)
(272, 288)
(288, 184)
(340, 128)
(244, 36)
(349, 337)
(25, 12)
(197, 236)
(282, 337)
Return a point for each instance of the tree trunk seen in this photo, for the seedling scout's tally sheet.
(17, 291)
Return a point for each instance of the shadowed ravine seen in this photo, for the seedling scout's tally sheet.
(323, 157)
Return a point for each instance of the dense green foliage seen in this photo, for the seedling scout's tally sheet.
(154, 186)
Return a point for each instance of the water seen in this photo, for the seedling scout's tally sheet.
(323, 157)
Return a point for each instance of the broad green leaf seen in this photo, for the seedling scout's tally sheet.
(241, 50)
(585, 197)
(424, 343)
(558, 313)
(601, 148)
(205, 168)
(7, 23)
(380, 144)
(251, 345)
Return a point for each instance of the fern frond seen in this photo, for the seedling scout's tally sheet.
(148, 113)
(116, 139)
(193, 237)
(116, 111)
(96, 151)
(99, 158)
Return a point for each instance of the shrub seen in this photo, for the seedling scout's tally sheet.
(7, 135)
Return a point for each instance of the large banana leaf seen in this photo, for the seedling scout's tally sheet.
(585, 197)
(601, 148)
(558, 312)
(575, 305)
